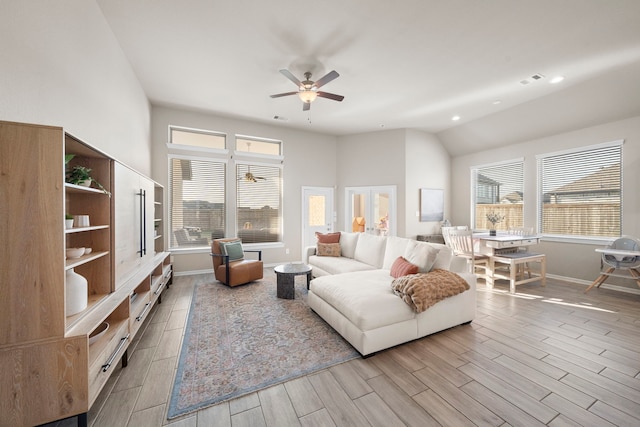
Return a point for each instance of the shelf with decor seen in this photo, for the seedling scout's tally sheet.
(69, 347)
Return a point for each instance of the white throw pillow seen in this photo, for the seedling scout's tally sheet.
(396, 247)
(348, 242)
(370, 249)
(443, 260)
(421, 254)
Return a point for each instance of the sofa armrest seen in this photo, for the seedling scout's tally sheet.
(307, 252)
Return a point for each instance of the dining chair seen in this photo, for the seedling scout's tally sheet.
(462, 244)
(445, 232)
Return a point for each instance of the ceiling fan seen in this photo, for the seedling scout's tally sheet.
(308, 89)
(249, 177)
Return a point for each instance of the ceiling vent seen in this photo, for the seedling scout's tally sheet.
(532, 79)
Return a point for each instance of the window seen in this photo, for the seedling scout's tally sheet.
(258, 203)
(258, 190)
(196, 201)
(498, 188)
(253, 145)
(196, 138)
(580, 192)
(204, 175)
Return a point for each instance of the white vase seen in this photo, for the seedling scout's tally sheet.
(76, 293)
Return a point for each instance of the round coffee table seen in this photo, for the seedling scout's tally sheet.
(286, 275)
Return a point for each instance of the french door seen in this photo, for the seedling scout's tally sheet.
(317, 213)
(371, 210)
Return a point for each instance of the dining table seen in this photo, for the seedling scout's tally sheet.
(510, 250)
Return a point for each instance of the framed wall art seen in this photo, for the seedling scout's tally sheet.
(431, 204)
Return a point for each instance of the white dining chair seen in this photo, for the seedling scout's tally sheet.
(462, 244)
(445, 232)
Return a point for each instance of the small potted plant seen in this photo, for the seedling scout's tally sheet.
(81, 175)
(68, 221)
(494, 218)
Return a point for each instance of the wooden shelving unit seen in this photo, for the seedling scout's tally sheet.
(37, 339)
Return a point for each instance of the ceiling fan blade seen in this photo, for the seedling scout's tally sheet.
(326, 79)
(330, 96)
(306, 106)
(291, 77)
(278, 95)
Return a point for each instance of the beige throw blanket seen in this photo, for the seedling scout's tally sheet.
(423, 290)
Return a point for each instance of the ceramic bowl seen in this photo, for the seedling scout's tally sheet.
(98, 332)
(75, 252)
(87, 251)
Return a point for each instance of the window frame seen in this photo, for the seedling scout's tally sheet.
(259, 159)
(598, 240)
(230, 157)
(176, 148)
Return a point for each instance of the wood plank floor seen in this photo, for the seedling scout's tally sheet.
(544, 356)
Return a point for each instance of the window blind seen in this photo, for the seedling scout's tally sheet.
(580, 192)
(498, 189)
(258, 209)
(196, 201)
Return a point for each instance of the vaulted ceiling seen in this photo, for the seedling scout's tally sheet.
(407, 64)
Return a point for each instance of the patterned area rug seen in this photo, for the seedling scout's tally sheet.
(239, 340)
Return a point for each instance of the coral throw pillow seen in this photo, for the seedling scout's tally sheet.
(402, 267)
(328, 249)
(328, 238)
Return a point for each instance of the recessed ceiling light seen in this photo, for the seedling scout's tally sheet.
(496, 102)
(556, 79)
(455, 118)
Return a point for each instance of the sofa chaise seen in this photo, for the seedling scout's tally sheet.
(352, 292)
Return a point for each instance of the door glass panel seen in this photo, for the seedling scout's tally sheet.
(359, 212)
(317, 211)
(381, 213)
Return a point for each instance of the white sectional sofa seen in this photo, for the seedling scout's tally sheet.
(353, 292)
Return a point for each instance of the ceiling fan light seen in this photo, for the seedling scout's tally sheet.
(307, 95)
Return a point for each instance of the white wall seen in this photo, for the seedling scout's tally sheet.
(408, 159)
(428, 165)
(310, 160)
(565, 259)
(61, 65)
(369, 159)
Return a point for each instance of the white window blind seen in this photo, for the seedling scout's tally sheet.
(580, 192)
(498, 189)
(258, 209)
(197, 201)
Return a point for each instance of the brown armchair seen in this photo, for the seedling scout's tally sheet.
(229, 265)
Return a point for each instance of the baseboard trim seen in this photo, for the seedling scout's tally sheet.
(193, 272)
(552, 276)
(210, 271)
(588, 282)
